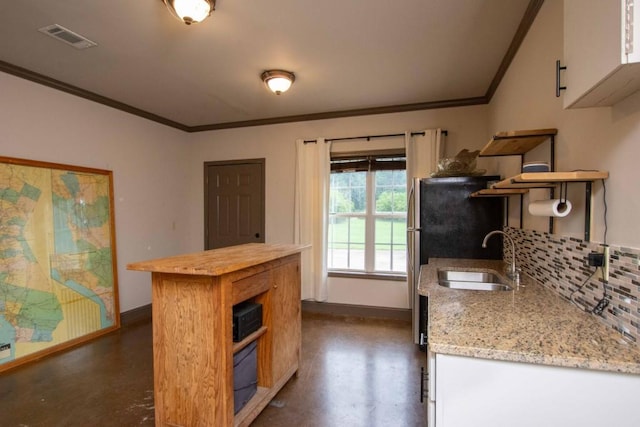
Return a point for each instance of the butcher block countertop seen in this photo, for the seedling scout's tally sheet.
(532, 324)
(216, 262)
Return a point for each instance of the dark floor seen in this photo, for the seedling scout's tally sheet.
(355, 372)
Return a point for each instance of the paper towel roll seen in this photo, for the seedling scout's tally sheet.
(553, 207)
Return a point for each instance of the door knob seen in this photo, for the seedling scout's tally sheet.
(257, 235)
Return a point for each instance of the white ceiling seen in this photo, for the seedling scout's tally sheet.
(347, 54)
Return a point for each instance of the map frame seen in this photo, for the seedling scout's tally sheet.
(108, 313)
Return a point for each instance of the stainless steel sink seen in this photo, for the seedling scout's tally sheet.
(487, 280)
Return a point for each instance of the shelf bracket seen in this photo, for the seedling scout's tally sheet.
(587, 212)
(552, 166)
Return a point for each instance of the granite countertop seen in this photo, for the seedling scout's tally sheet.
(216, 262)
(532, 324)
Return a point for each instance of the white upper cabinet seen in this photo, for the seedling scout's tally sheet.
(601, 51)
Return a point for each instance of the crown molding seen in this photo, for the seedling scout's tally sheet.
(525, 24)
(82, 93)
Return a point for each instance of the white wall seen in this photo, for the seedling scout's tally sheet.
(595, 138)
(466, 127)
(158, 171)
(148, 161)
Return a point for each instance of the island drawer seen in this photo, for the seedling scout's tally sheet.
(251, 286)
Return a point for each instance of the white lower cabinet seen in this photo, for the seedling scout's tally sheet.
(466, 391)
(431, 388)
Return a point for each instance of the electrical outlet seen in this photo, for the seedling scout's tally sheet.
(600, 259)
(596, 259)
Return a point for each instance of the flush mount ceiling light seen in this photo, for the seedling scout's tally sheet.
(191, 11)
(278, 81)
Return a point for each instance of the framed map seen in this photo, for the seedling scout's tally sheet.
(58, 276)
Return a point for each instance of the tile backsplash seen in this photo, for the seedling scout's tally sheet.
(560, 263)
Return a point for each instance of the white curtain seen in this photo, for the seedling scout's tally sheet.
(311, 214)
(423, 153)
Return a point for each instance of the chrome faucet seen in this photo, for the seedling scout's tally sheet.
(514, 273)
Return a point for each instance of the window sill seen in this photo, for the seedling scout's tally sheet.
(373, 276)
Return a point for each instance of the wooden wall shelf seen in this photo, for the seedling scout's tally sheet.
(516, 142)
(520, 184)
(549, 179)
(502, 192)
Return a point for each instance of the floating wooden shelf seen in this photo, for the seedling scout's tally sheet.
(494, 192)
(548, 179)
(516, 142)
(520, 184)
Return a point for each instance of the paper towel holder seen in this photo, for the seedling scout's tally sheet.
(560, 207)
(563, 196)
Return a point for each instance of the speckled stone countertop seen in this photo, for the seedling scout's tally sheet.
(532, 324)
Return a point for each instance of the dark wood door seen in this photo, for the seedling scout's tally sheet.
(234, 203)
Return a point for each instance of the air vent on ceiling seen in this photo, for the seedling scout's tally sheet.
(65, 35)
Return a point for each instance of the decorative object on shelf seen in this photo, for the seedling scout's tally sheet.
(191, 11)
(537, 166)
(278, 81)
(463, 164)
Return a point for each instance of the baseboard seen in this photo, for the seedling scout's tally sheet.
(356, 310)
(136, 315)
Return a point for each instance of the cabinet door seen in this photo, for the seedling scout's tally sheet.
(431, 389)
(599, 52)
(286, 318)
(490, 393)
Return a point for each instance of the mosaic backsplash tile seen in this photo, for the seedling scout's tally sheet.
(560, 263)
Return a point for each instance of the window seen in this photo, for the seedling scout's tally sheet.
(368, 214)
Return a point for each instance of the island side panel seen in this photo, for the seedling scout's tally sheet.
(192, 355)
(279, 348)
(286, 317)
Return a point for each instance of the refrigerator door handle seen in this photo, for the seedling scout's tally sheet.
(412, 253)
(411, 207)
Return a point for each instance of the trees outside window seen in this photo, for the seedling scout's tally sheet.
(368, 218)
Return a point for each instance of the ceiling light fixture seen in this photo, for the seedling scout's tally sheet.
(191, 11)
(278, 81)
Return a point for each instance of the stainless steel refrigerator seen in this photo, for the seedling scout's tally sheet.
(444, 222)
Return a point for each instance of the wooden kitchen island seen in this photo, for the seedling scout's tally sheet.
(193, 348)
